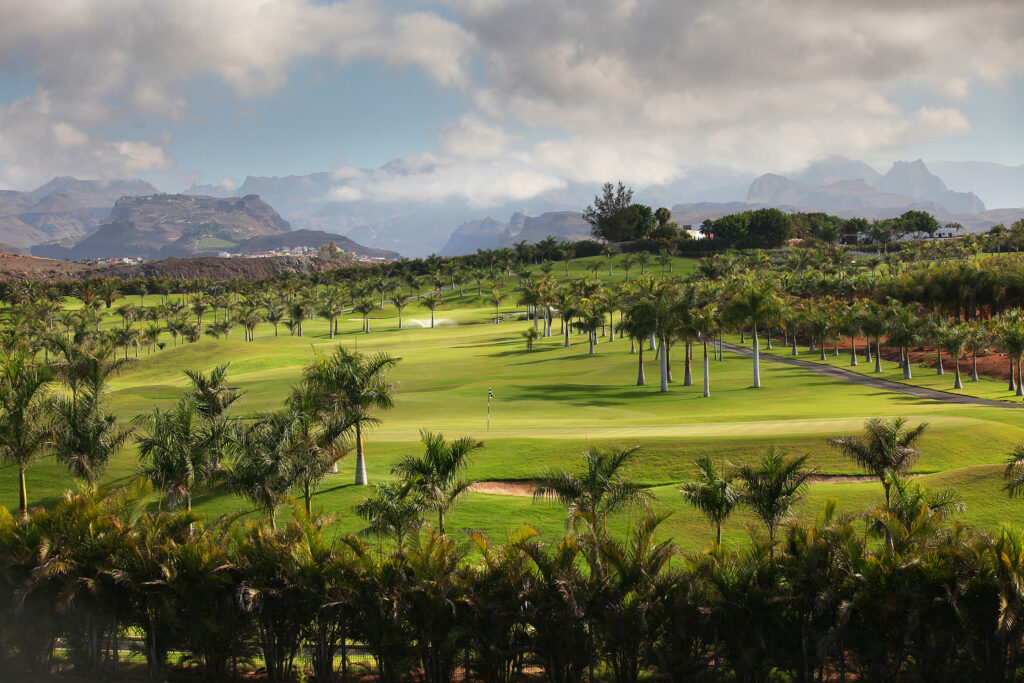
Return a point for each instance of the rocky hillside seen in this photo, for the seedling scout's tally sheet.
(64, 208)
(163, 225)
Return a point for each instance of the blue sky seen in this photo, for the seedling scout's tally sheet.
(495, 100)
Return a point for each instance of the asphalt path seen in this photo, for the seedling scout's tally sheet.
(874, 382)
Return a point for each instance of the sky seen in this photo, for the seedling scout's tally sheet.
(488, 101)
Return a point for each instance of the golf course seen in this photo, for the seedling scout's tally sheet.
(552, 402)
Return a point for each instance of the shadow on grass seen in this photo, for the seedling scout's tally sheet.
(582, 395)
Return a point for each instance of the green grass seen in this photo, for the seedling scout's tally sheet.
(552, 402)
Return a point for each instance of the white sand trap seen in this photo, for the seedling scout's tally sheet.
(425, 322)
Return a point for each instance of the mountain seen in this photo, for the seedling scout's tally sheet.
(172, 225)
(836, 168)
(913, 179)
(63, 208)
(997, 185)
(313, 239)
(565, 226)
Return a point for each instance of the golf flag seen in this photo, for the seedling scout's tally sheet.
(490, 394)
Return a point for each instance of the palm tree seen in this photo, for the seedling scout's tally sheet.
(712, 493)
(608, 251)
(274, 315)
(400, 301)
(754, 302)
(213, 396)
(23, 429)
(261, 466)
(773, 487)
(85, 435)
(1014, 472)
(887, 449)
(954, 340)
(626, 262)
(431, 302)
(315, 442)
(530, 334)
(705, 321)
(178, 449)
(902, 333)
(602, 489)
(392, 511)
(366, 307)
(436, 476)
(495, 298)
(978, 340)
(642, 260)
(351, 386)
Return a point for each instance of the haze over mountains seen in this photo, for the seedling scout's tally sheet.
(78, 218)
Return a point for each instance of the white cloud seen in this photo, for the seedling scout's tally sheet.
(642, 90)
(103, 62)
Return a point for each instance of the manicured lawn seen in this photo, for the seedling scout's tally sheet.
(552, 402)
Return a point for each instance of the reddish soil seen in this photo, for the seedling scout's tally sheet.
(996, 365)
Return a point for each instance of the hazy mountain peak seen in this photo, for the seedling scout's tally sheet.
(837, 168)
(913, 179)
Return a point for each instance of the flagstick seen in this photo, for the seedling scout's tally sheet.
(489, 394)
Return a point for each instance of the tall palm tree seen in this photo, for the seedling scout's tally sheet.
(978, 340)
(400, 300)
(712, 493)
(608, 251)
(755, 302)
(23, 429)
(436, 476)
(365, 306)
(600, 490)
(315, 442)
(495, 298)
(953, 341)
(626, 262)
(431, 302)
(706, 321)
(773, 487)
(887, 448)
(351, 386)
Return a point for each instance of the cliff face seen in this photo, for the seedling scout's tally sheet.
(173, 225)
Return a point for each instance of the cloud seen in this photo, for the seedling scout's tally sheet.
(556, 91)
(111, 63)
(644, 90)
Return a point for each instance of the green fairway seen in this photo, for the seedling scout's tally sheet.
(552, 402)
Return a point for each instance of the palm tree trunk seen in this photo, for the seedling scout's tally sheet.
(878, 355)
(794, 352)
(974, 368)
(663, 365)
(440, 521)
(687, 365)
(360, 460)
(906, 364)
(1012, 384)
(853, 352)
(640, 379)
(707, 372)
(757, 361)
(957, 384)
(938, 359)
(1020, 387)
(22, 493)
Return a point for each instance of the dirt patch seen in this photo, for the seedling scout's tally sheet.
(522, 488)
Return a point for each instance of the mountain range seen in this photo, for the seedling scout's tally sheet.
(78, 218)
(62, 208)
